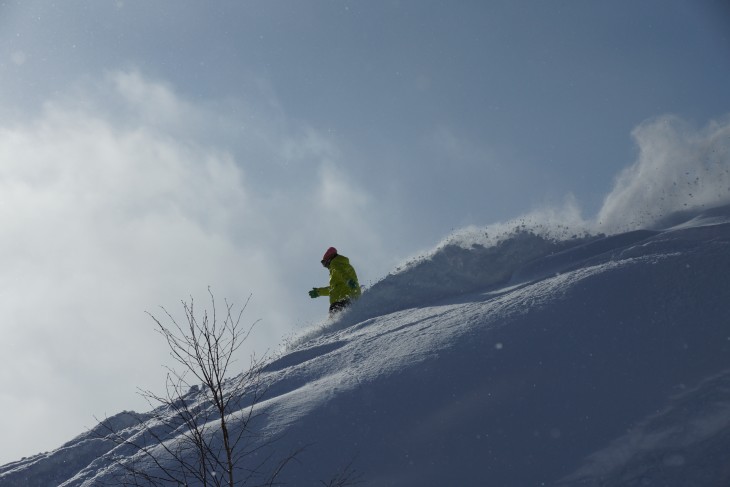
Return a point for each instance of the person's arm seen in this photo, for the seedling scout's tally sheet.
(319, 291)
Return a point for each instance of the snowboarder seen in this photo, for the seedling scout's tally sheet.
(344, 286)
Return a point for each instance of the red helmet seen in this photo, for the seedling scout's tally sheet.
(329, 255)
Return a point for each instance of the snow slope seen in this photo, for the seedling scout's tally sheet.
(577, 361)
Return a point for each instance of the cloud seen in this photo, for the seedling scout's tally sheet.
(101, 224)
(112, 202)
(679, 167)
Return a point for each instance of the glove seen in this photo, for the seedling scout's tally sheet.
(352, 284)
(313, 293)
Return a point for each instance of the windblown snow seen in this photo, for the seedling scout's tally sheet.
(590, 354)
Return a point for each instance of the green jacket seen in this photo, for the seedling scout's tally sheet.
(343, 281)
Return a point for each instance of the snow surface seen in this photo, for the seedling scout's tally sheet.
(521, 360)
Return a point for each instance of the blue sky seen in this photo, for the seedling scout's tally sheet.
(149, 150)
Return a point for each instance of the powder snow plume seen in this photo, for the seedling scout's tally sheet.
(679, 168)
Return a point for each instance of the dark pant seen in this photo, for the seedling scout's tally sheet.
(338, 306)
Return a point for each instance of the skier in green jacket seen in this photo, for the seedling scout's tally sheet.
(344, 287)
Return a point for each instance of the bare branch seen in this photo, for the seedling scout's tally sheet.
(202, 428)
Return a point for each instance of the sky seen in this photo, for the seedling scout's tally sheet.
(150, 151)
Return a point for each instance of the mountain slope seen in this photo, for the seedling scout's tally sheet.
(587, 361)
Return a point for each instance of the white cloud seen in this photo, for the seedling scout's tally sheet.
(111, 205)
(154, 103)
(99, 225)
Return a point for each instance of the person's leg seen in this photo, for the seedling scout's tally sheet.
(339, 306)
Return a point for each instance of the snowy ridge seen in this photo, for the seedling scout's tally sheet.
(485, 259)
(586, 361)
(466, 262)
